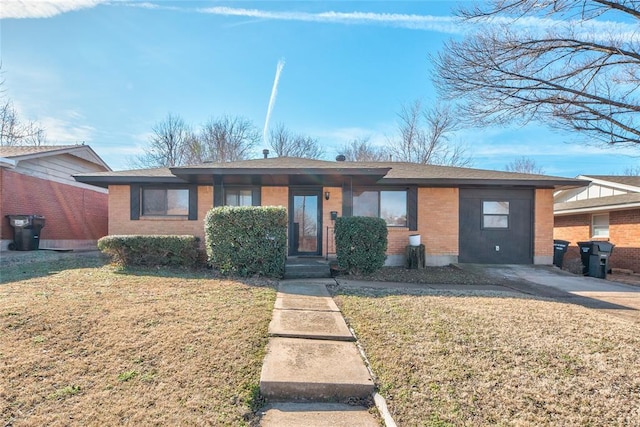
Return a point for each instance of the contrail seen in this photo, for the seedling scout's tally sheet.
(272, 100)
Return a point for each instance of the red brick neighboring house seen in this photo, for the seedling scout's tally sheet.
(462, 215)
(608, 209)
(39, 181)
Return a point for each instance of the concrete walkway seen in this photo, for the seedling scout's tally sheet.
(312, 362)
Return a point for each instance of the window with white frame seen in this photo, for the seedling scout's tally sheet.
(495, 214)
(600, 225)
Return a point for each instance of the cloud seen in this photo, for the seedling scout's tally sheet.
(67, 130)
(443, 24)
(20, 9)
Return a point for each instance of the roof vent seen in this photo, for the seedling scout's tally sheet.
(340, 158)
(265, 152)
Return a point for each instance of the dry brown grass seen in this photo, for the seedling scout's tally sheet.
(495, 360)
(95, 346)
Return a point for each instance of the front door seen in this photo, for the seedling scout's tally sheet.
(305, 221)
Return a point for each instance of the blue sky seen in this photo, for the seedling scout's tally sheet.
(106, 72)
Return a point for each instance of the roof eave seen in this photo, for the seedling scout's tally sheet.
(457, 182)
(590, 209)
(106, 181)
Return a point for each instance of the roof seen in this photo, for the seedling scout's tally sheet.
(619, 179)
(24, 152)
(607, 203)
(299, 171)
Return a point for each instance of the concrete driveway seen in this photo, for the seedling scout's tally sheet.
(617, 298)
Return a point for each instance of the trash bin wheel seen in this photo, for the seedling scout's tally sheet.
(12, 246)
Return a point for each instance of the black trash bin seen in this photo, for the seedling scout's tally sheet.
(599, 259)
(585, 253)
(559, 249)
(26, 231)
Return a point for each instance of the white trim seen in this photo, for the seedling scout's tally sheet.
(597, 209)
(7, 163)
(606, 183)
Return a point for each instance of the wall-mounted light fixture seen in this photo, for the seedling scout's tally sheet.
(327, 195)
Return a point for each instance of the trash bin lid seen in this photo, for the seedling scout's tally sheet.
(605, 247)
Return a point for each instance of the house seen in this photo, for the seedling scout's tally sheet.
(37, 180)
(462, 215)
(608, 209)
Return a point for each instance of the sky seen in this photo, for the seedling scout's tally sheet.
(105, 72)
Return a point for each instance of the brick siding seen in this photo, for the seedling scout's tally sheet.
(120, 214)
(71, 213)
(543, 227)
(624, 233)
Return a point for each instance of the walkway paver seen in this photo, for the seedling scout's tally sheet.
(317, 415)
(311, 357)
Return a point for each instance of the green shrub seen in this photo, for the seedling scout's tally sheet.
(247, 240)
(151, 250)
(361, 244)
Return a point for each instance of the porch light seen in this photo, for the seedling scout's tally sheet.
(327, 195)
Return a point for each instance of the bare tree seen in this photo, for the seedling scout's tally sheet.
(424, 137)
(171, 144)
(287, 144)
(524, 165)
(13, 130)
(632, 171)
(569, 75)
(361, 150)
(228, 139)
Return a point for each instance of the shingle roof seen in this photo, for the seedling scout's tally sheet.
(612, 202)
(24, 150)
(390, 172)
(620, 179)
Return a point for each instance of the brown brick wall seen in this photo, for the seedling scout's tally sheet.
(438, 221)
(71, 213)
(120, 222)
(543, 226)
(624, 233)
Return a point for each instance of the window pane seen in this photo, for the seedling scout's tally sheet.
(495, 221)
(365, 203)
(495, 208)
(177, 202)
(154, 201)
(393, 207)
(600, 225)
(238, 198)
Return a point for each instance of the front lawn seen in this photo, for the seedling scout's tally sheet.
(94, 345)
(472, 360)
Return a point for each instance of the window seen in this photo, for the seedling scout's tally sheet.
(495, 214)
(390, 205)
(600, 225)
(165, 202)
(238, 198)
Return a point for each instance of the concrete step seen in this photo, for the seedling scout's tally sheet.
(306, 271)
(318, 370)
(289, 414)
(322, 325)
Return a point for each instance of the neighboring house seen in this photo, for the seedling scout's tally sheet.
(38, 181)
(463, 215)
(608, 209)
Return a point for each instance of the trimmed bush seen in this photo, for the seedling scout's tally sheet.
(361, 244)
(247, 240)
(151, 250)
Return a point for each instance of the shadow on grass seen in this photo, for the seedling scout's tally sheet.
(36, 264)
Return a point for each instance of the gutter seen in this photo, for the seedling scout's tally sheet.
(7, 163)
(597, 209)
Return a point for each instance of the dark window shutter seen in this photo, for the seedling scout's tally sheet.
(347, 199)
(217, 192)
(193, 202)
(412, 208)
(134, 190)
(256, 196)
